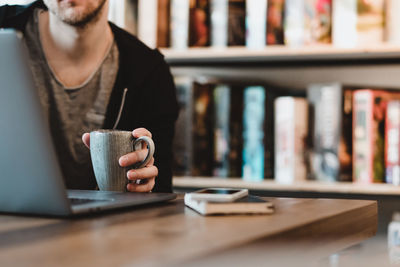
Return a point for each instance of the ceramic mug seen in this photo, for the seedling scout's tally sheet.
(106, 147)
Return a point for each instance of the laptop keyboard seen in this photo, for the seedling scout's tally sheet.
(80, 201)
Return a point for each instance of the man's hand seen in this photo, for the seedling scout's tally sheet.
(149, 172)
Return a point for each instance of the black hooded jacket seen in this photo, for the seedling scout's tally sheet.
(150, 100)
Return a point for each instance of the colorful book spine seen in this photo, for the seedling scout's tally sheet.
(236, 132)
(291, 127)
(183, 138)
(358, 23)
(317, 23)
(325, 103)
(221, 130)
(163, 23)
(393, 21)
(236, 22)
(253, 133)
(344, 23)
(269, 133)
(219, 23)
(275, 18)
(179, 24)
(368, 141)
(392, 142)
(346, 138)
(294, 22)
(147, 22)
(199, 24)
(203, 134)
(371, 22)
(256, 23)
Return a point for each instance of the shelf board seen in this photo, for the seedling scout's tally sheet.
(209, 55)
(270, 185)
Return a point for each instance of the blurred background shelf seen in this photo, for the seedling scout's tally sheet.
(282, 54)
(271, 185)
(295, 68)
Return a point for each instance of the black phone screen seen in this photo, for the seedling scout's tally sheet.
(218, 191)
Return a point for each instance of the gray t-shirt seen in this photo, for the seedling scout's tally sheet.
(71, 111)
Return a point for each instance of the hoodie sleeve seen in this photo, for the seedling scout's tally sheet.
(3, 14)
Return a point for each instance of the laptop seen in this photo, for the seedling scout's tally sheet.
(30, 178)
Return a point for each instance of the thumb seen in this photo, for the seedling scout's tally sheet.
(86, 139)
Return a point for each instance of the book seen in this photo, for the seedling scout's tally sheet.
(256, 23)
(116, 13)
(291, 126)
(392, 32)
(358, 22)
(345, 151)
(183, 138)
(219, 22)
(271, 94)
(317, 23)
(365, 138)
(370, 22)
(236, 131)
(163, 23)
(368, 134)
(124, 14)
(179, 24)
(247, 205)
(294, 22)
(203, 134)
(147, 22)
(275, 17)
(199, 23)
(392, 142)
(344, 23)
(253, 133)
(236, 22)
(345, 146)
(221, 130)
(326, 114)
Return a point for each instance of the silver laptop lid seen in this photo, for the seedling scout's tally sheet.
(30, 178)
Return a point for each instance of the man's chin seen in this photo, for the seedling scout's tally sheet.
(71, 16)
(75, 12)
(75, 16)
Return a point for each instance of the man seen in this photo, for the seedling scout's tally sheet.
(91, 74)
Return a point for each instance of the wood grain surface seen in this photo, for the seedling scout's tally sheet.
(172, 234)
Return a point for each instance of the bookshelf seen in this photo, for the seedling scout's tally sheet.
(375, 66)
(270, 185)
(372, 62)
(279, 54)
(295, 68)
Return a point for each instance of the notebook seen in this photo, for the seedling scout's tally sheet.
(246, 205)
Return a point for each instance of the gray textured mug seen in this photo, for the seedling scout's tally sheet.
(106, 147)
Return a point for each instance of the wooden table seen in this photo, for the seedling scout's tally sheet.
(171, 234)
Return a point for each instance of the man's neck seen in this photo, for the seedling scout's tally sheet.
(75, 42)
(74, 52)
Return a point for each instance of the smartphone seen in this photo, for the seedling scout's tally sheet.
(217, 194)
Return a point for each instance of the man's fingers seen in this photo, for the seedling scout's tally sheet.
(132, 158)
(147, 187)
(142, 173)
(141, 132)
(86, 139)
